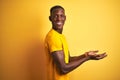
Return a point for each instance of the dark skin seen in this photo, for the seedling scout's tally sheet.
(58, 18)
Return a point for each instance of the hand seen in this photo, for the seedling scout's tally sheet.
(93, 56)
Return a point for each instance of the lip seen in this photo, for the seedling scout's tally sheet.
(59, 23)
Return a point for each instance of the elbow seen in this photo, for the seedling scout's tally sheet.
(64, 70)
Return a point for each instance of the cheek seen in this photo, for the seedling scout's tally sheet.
(54, 19)
(64, 18)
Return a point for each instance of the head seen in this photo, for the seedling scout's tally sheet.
(57, 17)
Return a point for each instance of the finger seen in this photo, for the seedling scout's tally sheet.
(104, 54)
(95, 51)
(101, 56)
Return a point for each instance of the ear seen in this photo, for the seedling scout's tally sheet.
(50, 18)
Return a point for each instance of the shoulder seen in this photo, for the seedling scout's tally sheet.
(52, 35)
(53, 41)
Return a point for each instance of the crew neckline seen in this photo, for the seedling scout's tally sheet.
(56, 32)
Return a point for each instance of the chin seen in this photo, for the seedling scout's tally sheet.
(60, 27)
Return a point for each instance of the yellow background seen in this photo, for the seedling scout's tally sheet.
(90, 25)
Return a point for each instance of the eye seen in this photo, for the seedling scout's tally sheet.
(55, 16)
(62, 15)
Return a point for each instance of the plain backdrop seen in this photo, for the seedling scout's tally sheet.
(90, 25)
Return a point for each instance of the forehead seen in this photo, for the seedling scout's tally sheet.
(58, 10)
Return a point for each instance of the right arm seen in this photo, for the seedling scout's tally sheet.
(58, 57)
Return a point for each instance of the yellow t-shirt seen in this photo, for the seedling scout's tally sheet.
(55, 41)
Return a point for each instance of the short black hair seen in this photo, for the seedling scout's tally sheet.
(55, 7)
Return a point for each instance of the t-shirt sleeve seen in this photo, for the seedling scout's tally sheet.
(54, 44)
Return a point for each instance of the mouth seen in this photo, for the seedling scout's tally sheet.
(59, 23)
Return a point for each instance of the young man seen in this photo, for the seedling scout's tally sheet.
(59, 61)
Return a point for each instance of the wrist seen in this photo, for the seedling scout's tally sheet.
(87, 56)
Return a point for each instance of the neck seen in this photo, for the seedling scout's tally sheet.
(58, 30)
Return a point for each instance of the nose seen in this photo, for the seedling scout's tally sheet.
(58, 18)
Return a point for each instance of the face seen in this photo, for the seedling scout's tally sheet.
(58, 18)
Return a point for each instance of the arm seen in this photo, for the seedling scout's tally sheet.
(75, 58)
(58, 57)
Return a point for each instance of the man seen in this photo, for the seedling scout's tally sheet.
(59, 61)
